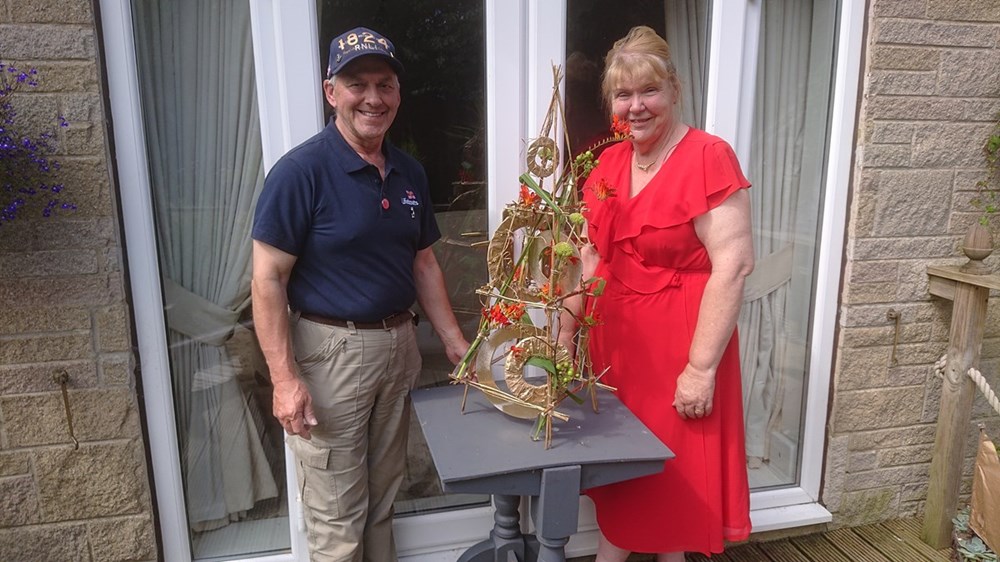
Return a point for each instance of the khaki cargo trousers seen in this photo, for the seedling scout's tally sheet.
(350, 471)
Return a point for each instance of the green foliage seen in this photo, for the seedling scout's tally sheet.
(974, 549)
(986, 199)
(968, 546)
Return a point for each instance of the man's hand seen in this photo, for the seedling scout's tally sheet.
(695, 388)
(455, 347)
(293, 407)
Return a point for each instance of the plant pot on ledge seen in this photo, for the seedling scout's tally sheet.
(978, 244)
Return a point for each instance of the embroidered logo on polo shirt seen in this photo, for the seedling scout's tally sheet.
(411, 200)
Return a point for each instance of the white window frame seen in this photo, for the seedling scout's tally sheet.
(523, 38)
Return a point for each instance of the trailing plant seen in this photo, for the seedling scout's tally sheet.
(986, 199)
(29, 177)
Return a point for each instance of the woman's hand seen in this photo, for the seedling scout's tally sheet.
(695, 388)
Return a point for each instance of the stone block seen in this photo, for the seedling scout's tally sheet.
(37, 377)
(66, 76)
(866, 293)
(113, 328)
(858, 337)
(18, 502)
(887, 57)
(77, 232)
(920, 353)
(47, 264)
(872, 272)
(904, 248)
(906, 108)
(876, 314)
(42, 348)
(835, 471)
(69, 291)
(900, 82)
(85, 107)
(963, 10)
(892, 132)
(857, 410)
(886, 156)
(896, 437)
(863, 460)
(45, 543)
(47, 41)
(101, 480)
(129, 538)
(98, 414)
(45, 319)
(868, 368)
(868, 506)
(914, 284)
(970, 73)
(893, 476)
(949, 145)
(52, 11)
(913, 492)
(939, 34)
(14, 463)
(83, 139)
(117, 369)
(899, 8)
(912, 203)
(901, 456)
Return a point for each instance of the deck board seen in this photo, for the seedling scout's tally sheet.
(816, 547)
(782, 551)
(910, 529)
(893, 547)
(856, 548)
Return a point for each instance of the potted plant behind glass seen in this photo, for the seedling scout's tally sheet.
(978, 243)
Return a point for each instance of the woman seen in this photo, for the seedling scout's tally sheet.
(669, 219)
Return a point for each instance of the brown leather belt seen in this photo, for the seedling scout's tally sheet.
(386, 323)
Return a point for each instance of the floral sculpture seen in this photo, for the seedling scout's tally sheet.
(534, 270)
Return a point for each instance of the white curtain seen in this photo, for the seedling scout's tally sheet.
(687, 33)
(786, 156)
(203, 137)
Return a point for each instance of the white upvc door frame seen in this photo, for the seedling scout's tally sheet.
(523, 39)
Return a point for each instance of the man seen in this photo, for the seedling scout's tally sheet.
(341, 250)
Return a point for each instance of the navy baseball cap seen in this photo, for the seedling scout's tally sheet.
(360, 42)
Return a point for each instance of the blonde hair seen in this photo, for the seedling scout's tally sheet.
(640, 55)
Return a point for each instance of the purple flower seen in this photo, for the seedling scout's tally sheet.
(26, 169)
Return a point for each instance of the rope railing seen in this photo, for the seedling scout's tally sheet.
(977, 378)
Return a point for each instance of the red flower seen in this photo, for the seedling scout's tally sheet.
(528, 197)
(620, 127)
(514, 311)
(517, 351)
(518, 272)
(603, 190)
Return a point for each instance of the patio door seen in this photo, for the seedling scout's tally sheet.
(206, 96)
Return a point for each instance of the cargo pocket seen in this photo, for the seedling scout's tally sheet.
(317, 485)
(314, 343)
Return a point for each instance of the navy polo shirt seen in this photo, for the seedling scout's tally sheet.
(323, 203)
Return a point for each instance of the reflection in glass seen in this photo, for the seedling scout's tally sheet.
(787, 157)
(592, 26)
(441, 122)
(203, 143)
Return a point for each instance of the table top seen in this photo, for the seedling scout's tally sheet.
(487, 451)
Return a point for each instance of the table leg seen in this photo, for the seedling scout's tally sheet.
(505, 537)
(556, 511)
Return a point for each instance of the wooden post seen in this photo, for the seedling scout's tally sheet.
(970, 293)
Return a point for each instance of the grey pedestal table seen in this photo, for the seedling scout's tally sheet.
(484, 451)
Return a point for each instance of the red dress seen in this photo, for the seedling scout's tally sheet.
(656, 270)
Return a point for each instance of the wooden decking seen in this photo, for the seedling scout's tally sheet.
(891, 541)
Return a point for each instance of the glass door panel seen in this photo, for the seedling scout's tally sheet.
(788, 150)
(592, 26)
(203, 145)
(441, 122)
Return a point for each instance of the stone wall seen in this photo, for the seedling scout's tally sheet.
(63, 309)
(931, 90)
